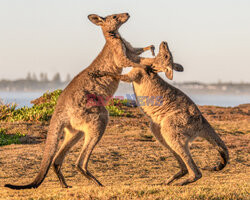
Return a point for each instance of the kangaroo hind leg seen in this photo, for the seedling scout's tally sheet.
(178, 140)
(93, 134)
(183, 152)
(193, 171)
(157, 132)
(71, 138)
(179, 174)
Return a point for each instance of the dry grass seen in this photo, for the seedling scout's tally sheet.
(132, 165)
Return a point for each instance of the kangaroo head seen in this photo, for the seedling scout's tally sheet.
(111, 23)
(164, 61)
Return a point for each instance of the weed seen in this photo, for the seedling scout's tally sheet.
(6, 139)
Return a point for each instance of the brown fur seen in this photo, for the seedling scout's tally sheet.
(177, 121)
(74, 115)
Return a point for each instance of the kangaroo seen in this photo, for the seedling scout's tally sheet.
(74, 115)
(177, 120)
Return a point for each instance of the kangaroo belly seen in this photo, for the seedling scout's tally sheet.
(157, 100)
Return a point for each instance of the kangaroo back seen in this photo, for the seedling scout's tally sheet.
(49, 152)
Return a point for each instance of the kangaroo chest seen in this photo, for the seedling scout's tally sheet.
(151, 99)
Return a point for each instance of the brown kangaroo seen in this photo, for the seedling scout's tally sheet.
(176, 120)
(74, 115)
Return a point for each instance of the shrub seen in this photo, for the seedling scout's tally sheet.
(44, 106)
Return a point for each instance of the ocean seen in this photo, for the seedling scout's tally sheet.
(225, 100)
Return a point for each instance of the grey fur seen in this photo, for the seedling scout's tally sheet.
(177, 120)
(75, 115)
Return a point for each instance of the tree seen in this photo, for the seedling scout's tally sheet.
(34, 78)
(44, 77)
(68, 78)
(41, 76)
(28, 77)
(56, 78)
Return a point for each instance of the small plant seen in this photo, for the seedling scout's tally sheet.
(7, 139)
(44, 106)
(115, 111)
(6, 110)
(42, 109)
(118, 102)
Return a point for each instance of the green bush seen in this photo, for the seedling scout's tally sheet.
(6, 110)
(41, 111)
(44, 106)
(6, 139)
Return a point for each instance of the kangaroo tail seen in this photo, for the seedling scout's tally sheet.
(49, 152)
(213, 138)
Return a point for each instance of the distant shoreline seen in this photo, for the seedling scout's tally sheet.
(23, 85)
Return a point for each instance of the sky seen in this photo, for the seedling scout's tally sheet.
(211, 39)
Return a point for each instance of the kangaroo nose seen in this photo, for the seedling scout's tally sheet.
(127, 14)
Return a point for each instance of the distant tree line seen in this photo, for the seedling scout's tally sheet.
(43, 77)
(31, 82)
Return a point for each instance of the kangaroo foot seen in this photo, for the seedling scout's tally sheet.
(189, 180)
(89, 176)
(176, 176)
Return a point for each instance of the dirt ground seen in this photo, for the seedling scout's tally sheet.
(131, 164)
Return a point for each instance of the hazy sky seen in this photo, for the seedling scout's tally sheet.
(211, 39)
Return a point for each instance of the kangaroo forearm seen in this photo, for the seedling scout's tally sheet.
(124, 78)
(125, 62)
(146, 61)
(136, 51)
(139, 51)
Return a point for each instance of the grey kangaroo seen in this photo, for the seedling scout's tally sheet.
(74, 115)
(176, 121)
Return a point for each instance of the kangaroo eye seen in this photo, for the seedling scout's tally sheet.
(166, 56)
(114, 17)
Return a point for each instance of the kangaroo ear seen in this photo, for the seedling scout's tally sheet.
(177, 67)
(169, 73)
(95, 19)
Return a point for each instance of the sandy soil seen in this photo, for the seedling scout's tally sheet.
(131, 163)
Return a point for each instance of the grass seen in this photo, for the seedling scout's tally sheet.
(141, 192)
(6, 139)
(129, 169)
(131, 164)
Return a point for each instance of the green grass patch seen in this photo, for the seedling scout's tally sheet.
(7, 139)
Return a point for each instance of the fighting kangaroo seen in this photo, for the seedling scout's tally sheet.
(74, 115)
(176, 121)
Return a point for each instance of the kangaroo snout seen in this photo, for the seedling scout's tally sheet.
(123, 17)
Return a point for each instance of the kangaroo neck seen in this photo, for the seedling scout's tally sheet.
(105, 60)
(111, 35)
(150, 85)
